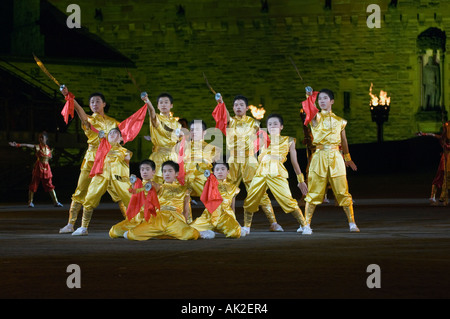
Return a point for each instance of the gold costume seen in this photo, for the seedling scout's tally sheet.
(327, 165)
(241, 132)
(113, 179)
(100, 123)
(169, 222)
(199, 157)
(164, 139)
(272, 174)
(223, 219)
(120, 228)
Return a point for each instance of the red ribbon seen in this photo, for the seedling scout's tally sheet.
(220, 115)
(181, 171)
(100, 156)
(211, 197)
(69, 107)
(309, 107)
(131, 127)
(256, 143)
(138, 199)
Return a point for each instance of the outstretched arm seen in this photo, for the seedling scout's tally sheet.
(301, 180)
(14, 144)
(151, 109)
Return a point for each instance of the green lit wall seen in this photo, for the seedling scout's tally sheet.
(244, 48)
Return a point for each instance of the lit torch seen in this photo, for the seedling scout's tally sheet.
(379, 108)
(257, 113)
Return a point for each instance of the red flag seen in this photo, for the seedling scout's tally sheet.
(100, 156)
(211, 196)
(181, 171)
(220, 115)
(151, 203)
(309, 107)
(256, 143)
(131, 126)
(136, 201)
(69, 107)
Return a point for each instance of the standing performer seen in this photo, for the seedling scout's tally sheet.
(95, 127)
(41, 170)
(170, 221)
(222, 219)
(163, 132)
(110, 172)
(441, 181)
(240, 134)
(327, 163)
(100, 122)
(272, 174)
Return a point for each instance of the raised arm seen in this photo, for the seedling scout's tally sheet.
(219, 100)
(151, 109)
(300, 178)
(80, 111)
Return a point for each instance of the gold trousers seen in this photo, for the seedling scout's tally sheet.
(222, 223)
(82, 186)
(317, 186)
(100, 185)
(119, 229)
(166, 224)
(279, 187)
(310, 208)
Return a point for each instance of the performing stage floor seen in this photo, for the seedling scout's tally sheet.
(406, 238)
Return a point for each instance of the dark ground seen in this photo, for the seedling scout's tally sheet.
(400, 232)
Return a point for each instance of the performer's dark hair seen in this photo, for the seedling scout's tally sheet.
(241, 97)
(45, 134)
(327, 92)
(115, 129)
(197, 121)
(278, 116)
(148, 162)
(175, 166)
(100, 95)
(183, 121)
(165, 94)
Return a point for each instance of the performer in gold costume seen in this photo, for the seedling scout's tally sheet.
(147, 171)
(327, 163)
(170, 221)
(163, 131)
(198, 157)
(114, 178)
(42, 172)
(272, 174)
(223, 219)
(240, 134)
(99, 121)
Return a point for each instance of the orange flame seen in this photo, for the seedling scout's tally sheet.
(258, 113)
(383, 100)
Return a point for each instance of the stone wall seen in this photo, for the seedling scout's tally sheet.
(244, 49)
